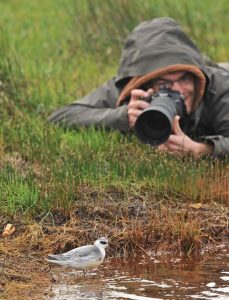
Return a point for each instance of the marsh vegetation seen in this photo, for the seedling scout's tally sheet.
(62, 188)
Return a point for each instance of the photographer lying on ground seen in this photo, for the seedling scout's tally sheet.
(158, 54)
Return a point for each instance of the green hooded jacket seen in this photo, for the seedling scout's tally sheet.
(157, 44)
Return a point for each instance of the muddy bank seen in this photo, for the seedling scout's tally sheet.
(146, 225)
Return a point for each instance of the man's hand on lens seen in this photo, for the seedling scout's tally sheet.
(137, 105)
(180, 144)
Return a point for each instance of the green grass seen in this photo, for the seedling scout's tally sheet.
(52, 52)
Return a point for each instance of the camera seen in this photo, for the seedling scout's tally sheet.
(154, 125)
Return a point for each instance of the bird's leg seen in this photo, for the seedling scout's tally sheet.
(49, 268)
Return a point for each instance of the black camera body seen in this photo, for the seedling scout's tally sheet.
(154, 125)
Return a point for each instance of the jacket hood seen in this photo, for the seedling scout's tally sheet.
(156, 47)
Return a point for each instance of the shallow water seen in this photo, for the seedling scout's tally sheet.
(148, 279)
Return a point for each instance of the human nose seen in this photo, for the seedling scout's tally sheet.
(176, 86)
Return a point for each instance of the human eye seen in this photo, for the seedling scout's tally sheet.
(187, 78)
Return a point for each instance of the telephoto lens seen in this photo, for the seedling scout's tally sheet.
(154, 124)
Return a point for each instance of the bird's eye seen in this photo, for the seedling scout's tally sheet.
(103, 242)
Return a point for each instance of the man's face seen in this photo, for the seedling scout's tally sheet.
(182, 82)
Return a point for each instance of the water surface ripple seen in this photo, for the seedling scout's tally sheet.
(147, 279)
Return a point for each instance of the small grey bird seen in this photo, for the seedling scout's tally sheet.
(82, 258)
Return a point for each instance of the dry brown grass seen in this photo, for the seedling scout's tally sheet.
(145, 225)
